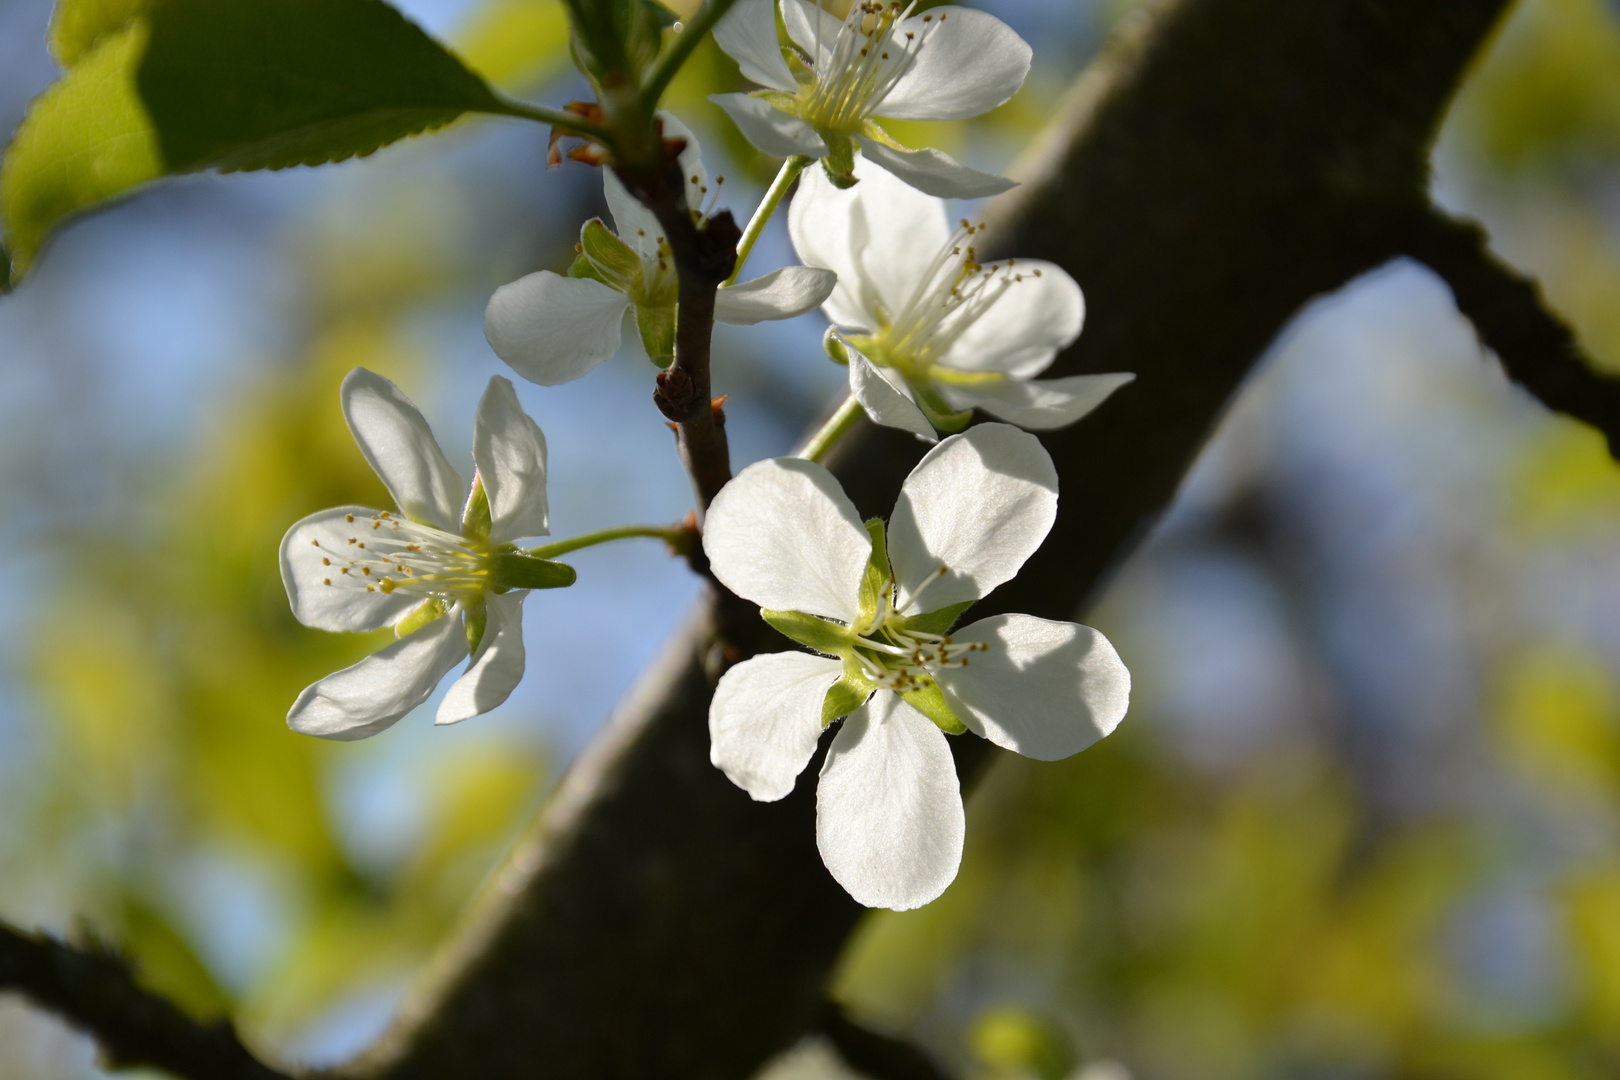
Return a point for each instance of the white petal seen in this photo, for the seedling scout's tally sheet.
(935, 173)
(362, 700)
(1032, 319)
(400, 448)
(780, 294)
(765, 720)
(553, 329)
(510, 451)
(878, 236)
(1044, 689)
(889, 818)
(979, 504)
(784, 535)
(1041, 405)
(691, 159)
(747, 34)
(812, 29)
(325, 535)
(886, 399)
(970, 63)
(498, 667)
(632, 221)
(769, 128)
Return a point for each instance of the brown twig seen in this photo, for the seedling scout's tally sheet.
(1536, 348)
(95, 990)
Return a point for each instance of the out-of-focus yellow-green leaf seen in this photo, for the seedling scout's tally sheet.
(168, 966)
(1558, 716)
(1551, 89)
(515, 44)
(78, 25)
(85, 141)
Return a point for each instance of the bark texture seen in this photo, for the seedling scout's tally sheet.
(1226, 161)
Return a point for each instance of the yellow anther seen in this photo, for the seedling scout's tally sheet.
(349, 518)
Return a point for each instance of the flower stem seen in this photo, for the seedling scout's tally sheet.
(675, 536)
(689, 38)
(839, 424)
(569, 122)
(791, 168)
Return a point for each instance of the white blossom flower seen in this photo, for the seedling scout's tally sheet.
(449, 581)
(948, 63)
(930, 332)
(552, 329)
(877, 605)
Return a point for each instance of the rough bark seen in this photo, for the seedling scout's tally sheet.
(1224, 163)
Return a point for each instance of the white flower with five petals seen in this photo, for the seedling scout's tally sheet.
(931, 332)
(877, 605)
(948, 63)
(553, 329)
(447, 579)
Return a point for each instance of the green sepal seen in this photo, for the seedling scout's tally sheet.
(584, 268)
(424, 614)
(515, 570)
(937, 409)
(811, 632)
(839, 164)
(475, 519)
(616, 261)
(475, 621)
(844, 697)
(930, 701)
(937, 622)
(832, 343)
(877, 574)
(657, 326)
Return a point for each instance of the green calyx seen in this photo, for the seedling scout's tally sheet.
(929, 700)
(475, 518)
(832, 343)
(475, 620)
(657, 327)
(608, 259)
(822, 635)
(876, 581)
(516, 570)
(846, 695)
(839, 164)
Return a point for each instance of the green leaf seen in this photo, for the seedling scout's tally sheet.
(256, 84)
(515, 570)
(77, 26)
(937, 622)
(810, 631)
(844, 697)
(85, 141)
(158, 87)
(930, 701)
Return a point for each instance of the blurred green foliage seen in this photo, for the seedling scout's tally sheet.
(1257, 921)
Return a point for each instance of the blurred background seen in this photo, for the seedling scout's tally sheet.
(1363, 820)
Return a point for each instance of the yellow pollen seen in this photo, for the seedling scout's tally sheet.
(326, 561)
(387, 586)
(329, 581)
(349, 518)
(365, 571)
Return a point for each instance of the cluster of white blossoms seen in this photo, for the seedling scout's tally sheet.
(553, 329)
(949, 63)
(930, 333)
(878, 605)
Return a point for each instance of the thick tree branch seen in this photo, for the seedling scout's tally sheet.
(1536, 348)
(1227, 161)
(96, 992)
